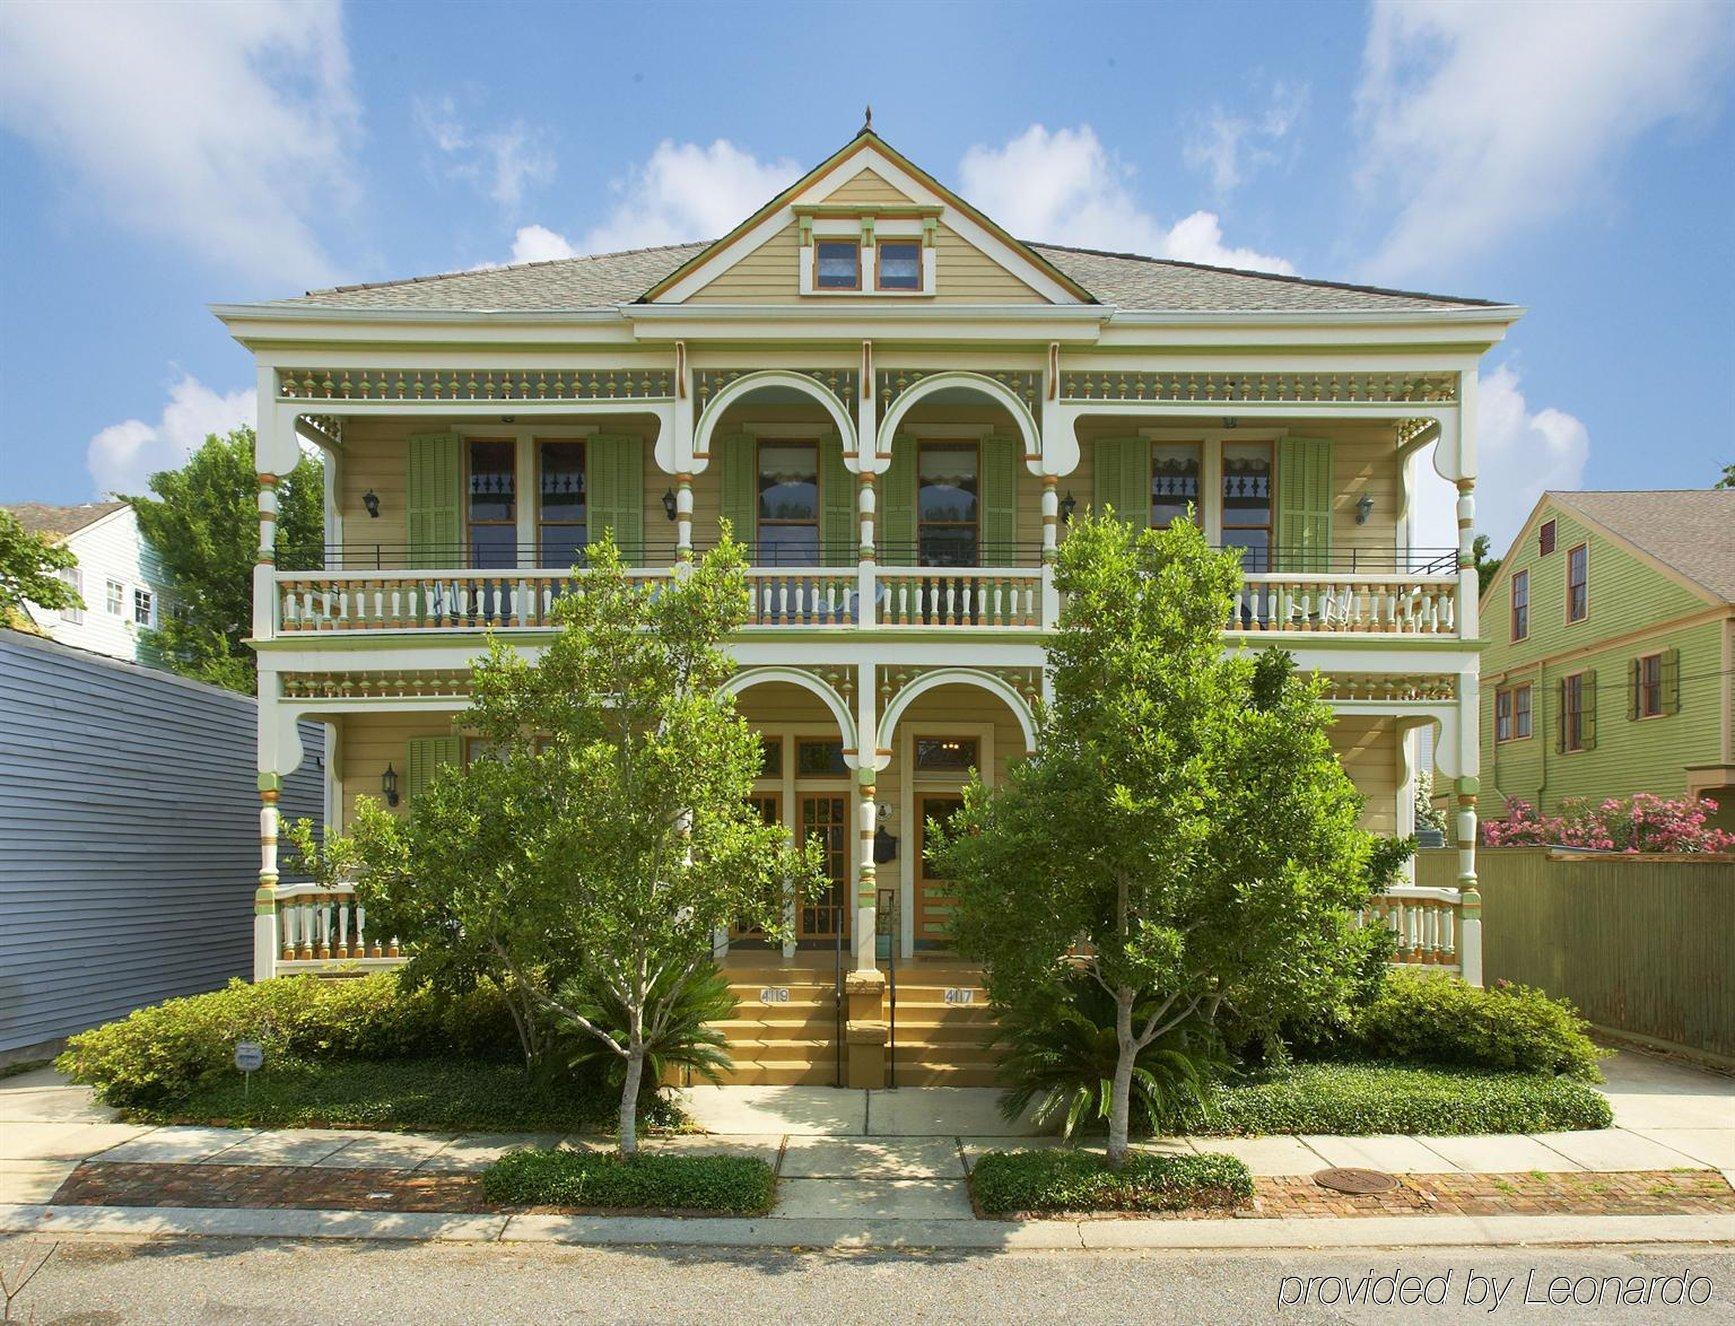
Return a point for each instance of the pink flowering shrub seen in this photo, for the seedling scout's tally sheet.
(1639, 823)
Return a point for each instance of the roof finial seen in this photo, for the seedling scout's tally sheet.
(867, 124)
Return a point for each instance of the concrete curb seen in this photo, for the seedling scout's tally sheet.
(963, 1235)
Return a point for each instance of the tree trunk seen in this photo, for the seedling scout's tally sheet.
(630, 1099)
(1121, 1094)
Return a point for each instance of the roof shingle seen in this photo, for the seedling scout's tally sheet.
(59, 521)
(1691, 530)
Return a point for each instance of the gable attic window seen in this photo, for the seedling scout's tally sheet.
(837, 264)
(1545, 538)
(900, 264)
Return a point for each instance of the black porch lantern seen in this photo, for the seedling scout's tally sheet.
(1364, 509)
(669, 503)
(389, 785)
(1068, 505)
(371, 500)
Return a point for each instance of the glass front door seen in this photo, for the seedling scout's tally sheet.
(935, 901)
(826, 917)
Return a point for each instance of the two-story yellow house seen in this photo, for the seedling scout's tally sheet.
(899, 407)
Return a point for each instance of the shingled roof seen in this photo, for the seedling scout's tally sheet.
(1124, 280)
(1690, 530)
(59, 521)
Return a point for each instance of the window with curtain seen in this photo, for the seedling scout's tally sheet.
(788, 515)
(948, 516)
(1248, 474)
(837, 265)
(900, 264)
(1175, 472)
(562, 505)
(492, 505)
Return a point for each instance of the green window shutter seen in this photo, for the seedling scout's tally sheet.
(615, 482)
(739, 457)
(838, 532)
(1002, 457)
(1303, 504)
(1122, 479)
(1560, 716)
(1587, 698)
(896, 530)
(434, 501)
(1635, 688)
(427, 754)
(1671, 681)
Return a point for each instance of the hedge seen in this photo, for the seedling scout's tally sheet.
(649, 1181)
(1051, 1182)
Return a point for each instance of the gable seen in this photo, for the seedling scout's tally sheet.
(868, 194)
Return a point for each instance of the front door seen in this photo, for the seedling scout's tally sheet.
(935, 902)
(826, 818)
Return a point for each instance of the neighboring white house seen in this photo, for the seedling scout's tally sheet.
(118, 574)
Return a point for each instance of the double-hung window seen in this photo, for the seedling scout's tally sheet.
(1578, 583)
(1648, 702)
(1572, 726)
(1520, 604)
(562, 504)
(1247, 502)
(115, 601)
(948, 528)
(144, 607)
(1521, 712)
(788, 504)
(492, 505)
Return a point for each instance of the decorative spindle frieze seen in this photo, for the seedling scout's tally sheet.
(1213, 388)
(474, 384)
(1022, 383)
(432, 683)
(843, 383)
(1379, 686)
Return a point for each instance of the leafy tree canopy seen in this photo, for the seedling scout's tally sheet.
(203, 523)
(1183, 830)
(30, 568)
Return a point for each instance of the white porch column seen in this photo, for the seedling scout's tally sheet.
(867, 611)
(265, 945)
(265, 561)
(1469, 590)
(684, 516)
(1470, 901)
(1050, 610)
(866, 819)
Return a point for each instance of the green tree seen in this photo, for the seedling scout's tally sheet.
(1486, 566)
(1728, 479)
(203, 523)
(1183, 831)
(30, 568)
(607, 837)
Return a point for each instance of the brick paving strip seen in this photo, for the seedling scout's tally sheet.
(292, 1187)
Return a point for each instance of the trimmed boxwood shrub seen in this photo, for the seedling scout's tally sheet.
(1441, 1019)
(1363, 1098)
(650, 1181)
(1055, 1181)
(160, 1054)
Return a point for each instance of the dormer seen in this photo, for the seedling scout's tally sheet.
(886, 248)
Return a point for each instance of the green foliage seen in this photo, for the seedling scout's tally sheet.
(439, 1095)
(715, 1185)
(1357, 1099)
(30, 568)
(158, 1055)
(611, 836)
(1056, 1181)
(1061, 1051)
(1486, 566)
(1184, 824)
(1439, 1019)
(686, 1039)
(203, 523)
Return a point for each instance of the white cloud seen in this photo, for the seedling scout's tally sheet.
(502, 163)
(1232, 148)
(1485, 118)
(540, 244)
(1064, 187)
(1519, 454)
(122, 457)
(227, 128)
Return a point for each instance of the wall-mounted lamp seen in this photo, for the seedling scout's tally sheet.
(389, 785)
(1364, 509)
(669, 503)
(371, 500)
(1230, 421)
(1068, 505)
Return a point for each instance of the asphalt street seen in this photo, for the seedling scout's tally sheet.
(212, 1281)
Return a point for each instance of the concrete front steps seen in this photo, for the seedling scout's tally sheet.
(940, 1044)
(791, 1043)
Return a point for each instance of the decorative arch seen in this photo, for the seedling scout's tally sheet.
(772, 377)
(998, 392)
(828, 696)
(987, 681)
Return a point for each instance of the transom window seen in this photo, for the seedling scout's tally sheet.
(837, 264)
(945, 754)
(562, 503)
(1578, 583)
(788, 515)
(1650, 686)
(771, 757)
(493, 504)
(1247, 489)
(948, 531)
(1175, 471)
(820, 759)
(900, 265)
(1520, 604)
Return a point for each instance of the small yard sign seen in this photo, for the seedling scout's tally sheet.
(249, 1056)
(956, 994)
(774, 994)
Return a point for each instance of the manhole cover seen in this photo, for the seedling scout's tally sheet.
(1355, 1180)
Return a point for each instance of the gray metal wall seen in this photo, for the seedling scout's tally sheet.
(129, 836)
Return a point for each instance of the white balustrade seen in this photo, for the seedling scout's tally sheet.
(1423, 921)
(994, 597)
(316, 923)
(1375, 604)
(801, 596)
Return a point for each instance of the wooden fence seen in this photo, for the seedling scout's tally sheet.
(1643, 945)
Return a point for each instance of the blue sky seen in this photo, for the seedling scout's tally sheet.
(1578, 159)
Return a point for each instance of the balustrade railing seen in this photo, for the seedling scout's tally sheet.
(1334, 601)
(802, 596)
(317, 923)
(1423, 922)
(996, 597)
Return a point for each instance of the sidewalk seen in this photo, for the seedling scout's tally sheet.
(875, 1169)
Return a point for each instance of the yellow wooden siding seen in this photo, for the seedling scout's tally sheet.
(1368, 750)
(374, 458)
(1363, 462)
(369, 742)
(867, 187)
(769, 275)
(966, 275)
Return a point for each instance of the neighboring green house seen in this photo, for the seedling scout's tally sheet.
(1610, 632)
